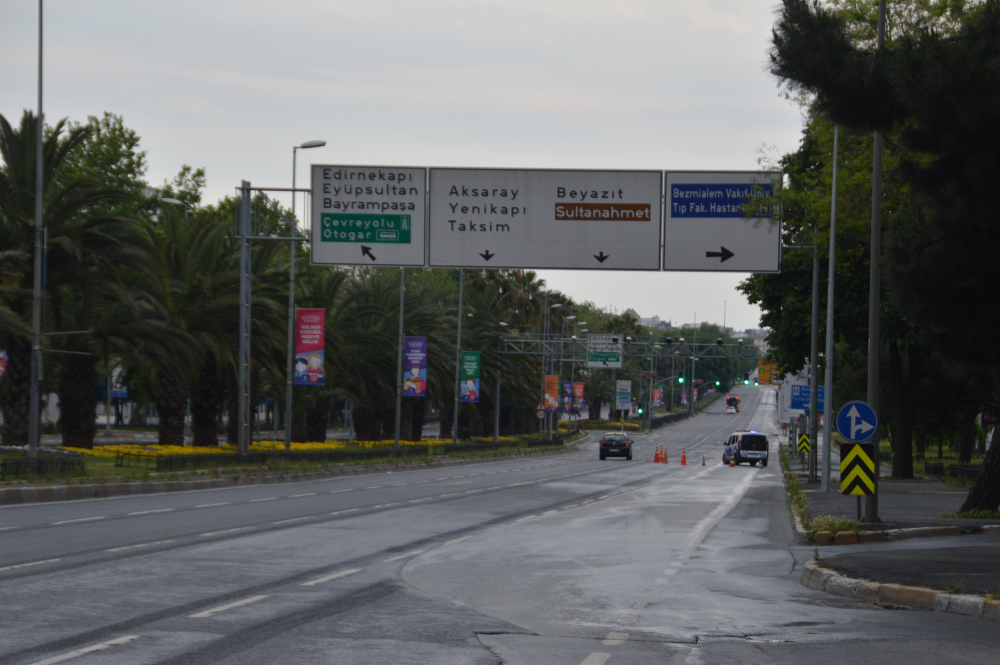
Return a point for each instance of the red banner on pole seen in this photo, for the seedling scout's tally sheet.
(310, 336)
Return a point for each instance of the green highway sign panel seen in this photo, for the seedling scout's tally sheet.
(368, 215)
(365, 228)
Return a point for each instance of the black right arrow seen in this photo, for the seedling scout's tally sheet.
(367, 251)
(725, 254)
(486, 255)
(600, 257)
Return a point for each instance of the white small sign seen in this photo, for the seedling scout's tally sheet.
(368, 215)
(623, 396)
(506, 218)
(725, 222)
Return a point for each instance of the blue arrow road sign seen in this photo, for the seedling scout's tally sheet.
(856, 421)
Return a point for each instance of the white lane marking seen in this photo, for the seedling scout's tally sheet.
(614, 639)
(219, 533)
(82, 519)
(550, 512)
(296, 496)
(26, 565)
(405, 555)
(212, 505)
(416, 500)
(270, 498)
(640, 605)
(139, 546)
(455, 540)
(374, 487)
(339, 491)
(596, 659)
(394, 503)
(7, 528)
(150, 512)
(334, 576)
(341, 512)
(91, 649)
(227, 606)
(628, 619)
(525, 519)
(295, 519)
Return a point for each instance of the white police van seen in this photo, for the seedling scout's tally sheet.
(746, 446)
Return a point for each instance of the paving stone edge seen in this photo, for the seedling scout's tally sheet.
(22, 495)
(898, 596)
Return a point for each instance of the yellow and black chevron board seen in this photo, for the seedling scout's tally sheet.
(804, 443)
(857, 469)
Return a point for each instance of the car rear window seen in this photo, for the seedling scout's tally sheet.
(614, 437)
(753, 442)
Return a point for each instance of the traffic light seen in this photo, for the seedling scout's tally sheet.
(642, 407)
(717, 383)
(746, 382)
(680, 379)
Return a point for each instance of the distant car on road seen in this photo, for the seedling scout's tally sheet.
(731, 409)
(616, 444)
(744, 446)
(733, 401)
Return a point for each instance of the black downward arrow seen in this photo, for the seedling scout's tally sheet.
(725, 254)
(600, 257)
(486, 255)
(367, 251)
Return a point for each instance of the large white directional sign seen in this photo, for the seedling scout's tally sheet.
(604, 351)
(721, 222)
(500, 218)
(368, 215)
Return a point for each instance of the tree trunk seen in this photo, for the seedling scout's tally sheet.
(446, 410)
(170, 403)
(205, 405)
(317, 418)
(594, 409)
(921, 437)
(14, 395)
(300, 433)
(119, 412)
(967, 435)
(903, 391)
(985, 492)
(78, 401)
(367, 420)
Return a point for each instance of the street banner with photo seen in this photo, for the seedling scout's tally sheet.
(684, 397)
(623, 396)
(118, 389)
(469, 377)
(579, 404)
(415, 367)
(551, 399)
(657, 398)
(310, 336)
(566, 397)
(3, 365)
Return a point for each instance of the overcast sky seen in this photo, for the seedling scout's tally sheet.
(605, 84)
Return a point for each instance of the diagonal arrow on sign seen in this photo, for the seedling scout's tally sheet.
(857, 423)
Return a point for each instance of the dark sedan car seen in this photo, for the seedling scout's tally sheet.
(616, 444)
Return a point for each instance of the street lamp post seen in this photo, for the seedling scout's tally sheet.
(290, 350)
(552, 368)
(34, 398)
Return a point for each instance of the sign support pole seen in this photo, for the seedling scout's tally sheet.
(399, 362)
(458, 355)
(875, 289)
(828, 377)
(496, 409)
(813, 365)
(243, 415)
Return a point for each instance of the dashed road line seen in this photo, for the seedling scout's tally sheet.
(614, 639)
(26, 565)
(339, 491)
(139, 546)
(596, 659)
(296, 496)
(118, 641)
(82, 519)
(219, 533)
(641, 605)
(227, 606)
(270, 498)
(455, 540)
(150, 512)
(341, 512)
(212, 505)
(295, 519)
(405, 555)
(334, 576)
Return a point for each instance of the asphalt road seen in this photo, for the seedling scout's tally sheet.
(545, 560)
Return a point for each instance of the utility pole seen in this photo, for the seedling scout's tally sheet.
(399, 360)
(875, 290)
(34, 403)
(458, 355)
(828, 377)
(243, 441)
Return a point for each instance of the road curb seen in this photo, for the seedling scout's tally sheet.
(12, 496)
(898, 596)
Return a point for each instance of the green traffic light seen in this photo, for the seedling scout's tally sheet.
(680, 380)
(746, 382)
(716, 383)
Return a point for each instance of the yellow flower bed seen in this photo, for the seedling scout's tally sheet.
(262, 446)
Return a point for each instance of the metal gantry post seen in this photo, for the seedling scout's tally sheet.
(458, 355)
(874, 291)
(399, 360)
(290, 344)
(243, 444)
(813, 360)
(828, 377)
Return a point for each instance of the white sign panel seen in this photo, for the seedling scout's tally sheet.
(604, 351)
(623, 396)
(500, 218)
(368, 215)
(722, 222)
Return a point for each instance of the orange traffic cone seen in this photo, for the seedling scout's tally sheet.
(684, 456)
(664, 460)
(703, 460)
(732, 462)
(656, 456)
